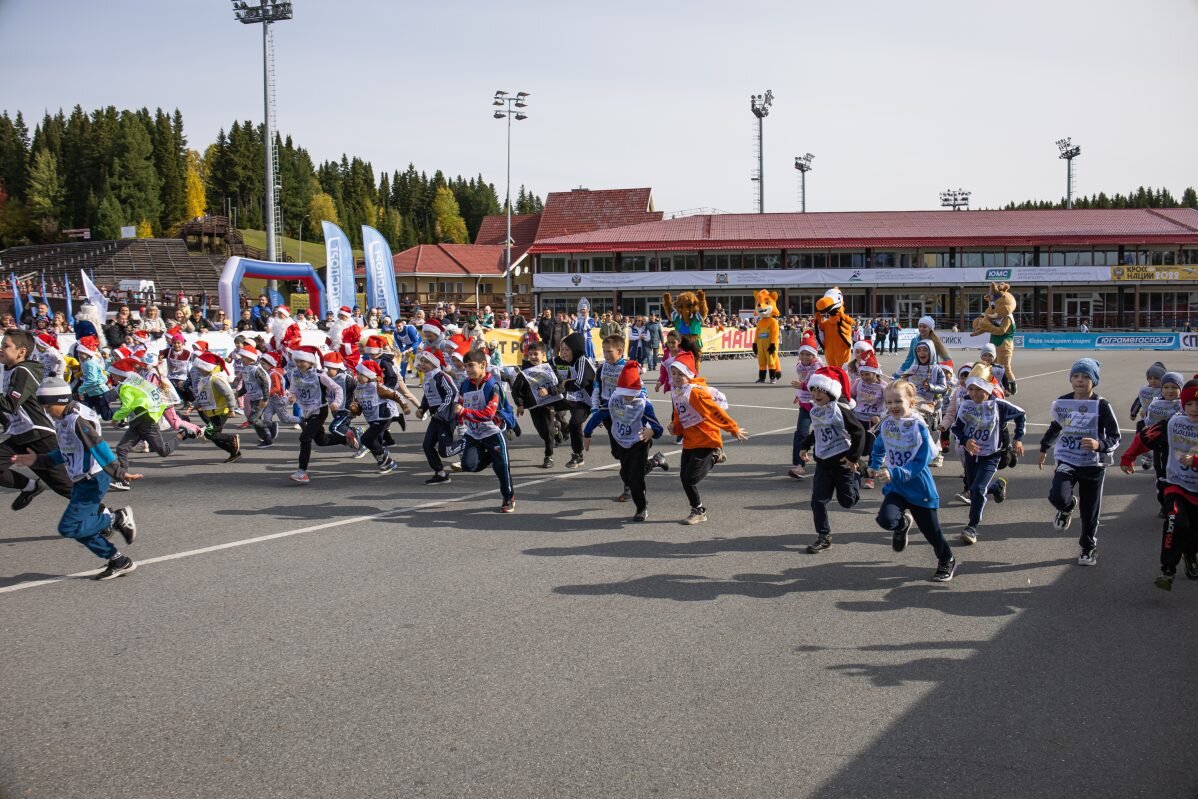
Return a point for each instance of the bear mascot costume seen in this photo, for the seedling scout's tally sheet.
(765, 344)
(999, 321)
(686, 314)
(834, 328)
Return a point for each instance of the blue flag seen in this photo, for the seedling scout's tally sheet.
(380, 274)
(45, 296)
(18, 307)
(66, 282)
(339, 268)
(275, 297)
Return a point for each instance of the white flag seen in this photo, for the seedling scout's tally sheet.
(95, 296)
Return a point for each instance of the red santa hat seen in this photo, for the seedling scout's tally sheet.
(629, 384)
(124, 367)
(141, 335)
(200, 346)
(963, 372)
(210, 361)
(283, 309)
(174, 331)
(831, 380)
(333, 360)
(369, 369)
(870, 364)
(374, 344)
(271, 359)
(88, 345)
(809, 343)
(433, 326)
(862, 346)
(249, 351)
(345, 311)
(47, 340)
(685, 362)
(306, 354)
(122, 352)
(434, 357)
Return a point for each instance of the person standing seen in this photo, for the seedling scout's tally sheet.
(892, 333)
(653, 344)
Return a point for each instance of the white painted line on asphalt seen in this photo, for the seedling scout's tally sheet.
(340, 522)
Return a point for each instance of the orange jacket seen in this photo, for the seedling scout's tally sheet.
(705, 434)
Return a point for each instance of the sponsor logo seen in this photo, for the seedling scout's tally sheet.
(1141, 340)
(856, 276)
(576, 280)
(721, 277)
(1189, 341)
(1018, 341)
(998, 274)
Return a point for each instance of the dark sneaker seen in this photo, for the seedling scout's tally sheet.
(509, 506)
(1089, 557)
(1190, 561)
(547, 463)
(575, 461)
(388, 466)
(697, 516)
(117, 567)
(641, 515)
(123, 523)
(797, 472)
(659, 461)
(1064, 518)
(236, 453)
(821, 543)
(1164, 582)
(120, 485)
(969, 535)
(25, 497)
(625, 495)
(945, 570)
(720, 457)
(900, 535)
(1000, 489)
(439, 477)
(264, 445)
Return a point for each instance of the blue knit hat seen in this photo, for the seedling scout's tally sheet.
(1173, 377)
(1157, 370)
(1088, 367)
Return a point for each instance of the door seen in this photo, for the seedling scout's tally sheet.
(909, 311)
(1077, 310)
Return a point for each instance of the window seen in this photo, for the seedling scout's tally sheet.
(846, 260)
(554, 263)
(604, 264)
(689, 262)
(760, 260)
(806, 260)
(1106, 257)
(580, 265)
(931, 260)
(1163, 258)
(721, 261)
(1189, 257)
(891, 260)
(635, 263)
(484, 288)
(1021, 258)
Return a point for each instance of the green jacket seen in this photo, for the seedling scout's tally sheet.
(139, 396)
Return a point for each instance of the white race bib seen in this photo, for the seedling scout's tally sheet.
(827, 426)
(1183, 440)
(1078, 419)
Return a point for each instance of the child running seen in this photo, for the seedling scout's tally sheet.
(536, 389)
(903, 451)
(632, 425)
(479, 410)
(1082, 435)
(979, 419)
(377, 404)
(316, 394)
(699, 420)
(869, 393)
(440, 399)
(215, 401)
(838, 437)
(807, 365)
(576, 374)
(1144, 397)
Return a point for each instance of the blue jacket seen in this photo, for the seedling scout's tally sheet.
(1006, 412)
(601, 415)
(912, 482)
(910, 359)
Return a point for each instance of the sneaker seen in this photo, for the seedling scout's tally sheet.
(455, 467)
(274, 430)
(1145, 463)
(641, 515)
(945, 570)
(25, 497)
(123, 523)
(1089, 557)
(264, 445)
(1190, 561)
(969, 535)
(937, 462)
(116, 567)
(547, 463)
(299, 476)
(964, 497)
(388, 466)
(354, 439)
(508, 506)
(361, 452)
(1064, 518)
(867, 483)
(1000, 489)
(900, 535)
(439, 477)
(659, 461)
(1164, 582)
(797, 472)
(625, 495)
(243, 425)
(297, 428)
(821, 543)
(697, 516)
(575, 461)
(120, 485)
(142, 447)
(719, 457)
(236, 456)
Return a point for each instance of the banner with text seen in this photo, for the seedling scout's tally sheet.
(1097, 341)
(339, 267)
(380, 273)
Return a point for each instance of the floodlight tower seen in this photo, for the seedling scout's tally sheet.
(1069, 151)
(265, 12)
(511, 106)
(760, 104)
(955, 199)
(803, 164)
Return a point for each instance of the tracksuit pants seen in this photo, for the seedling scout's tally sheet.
(542, 420)
(143, 428)
(832, 477)
(696, 463)
(890, 518)
(215, 431)
(1180, 534)
(801, 430)
(56, 478)
(86, 518)
(373, 438)
(634, 466)
(280, 410)
(576, 416)
(312, 432)
(1088, 481)
(438, 431)
(490, 451)
(979, 479)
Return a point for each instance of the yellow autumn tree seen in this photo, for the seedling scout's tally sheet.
(321, 209)
(145, 230)
(193, 188)
(450, 226)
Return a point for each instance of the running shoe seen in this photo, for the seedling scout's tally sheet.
(819, 545)
(659, 461)
(439, 477)
(361, 452)
(625, 495)
(964, 497)
(299, 476)
(388, 466)
(23, 498)
(120, 485)
(123, 523)
(575, 461)
(1000, 489)
(1089, 557)
(969, 535)
(509, 506)
(641, 515)
(797, 472)
(264, 445)
(720, 457)
(547, 463)
(1190, 561)
(1064, 518)
(697, 516)
(117, 567)
(354, 439)
(1164, 582)
(867, 483)
(945, 570)
(899, 542)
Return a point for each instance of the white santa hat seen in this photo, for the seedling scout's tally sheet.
(434, 357)
(862, 346)
(272, 359)
(433, 326)
(832, 380)
(249, 351)
(308, 354)
(929, 321)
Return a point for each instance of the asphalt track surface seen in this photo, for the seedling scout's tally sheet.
(370, 636)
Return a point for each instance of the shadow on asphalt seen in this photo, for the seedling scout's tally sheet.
(25, 578)
(325, 510)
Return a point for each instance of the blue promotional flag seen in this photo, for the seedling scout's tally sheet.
(275, 297)
(66, 282)
(339, 268)
(45, 296)
(18, 307)
(380, 274)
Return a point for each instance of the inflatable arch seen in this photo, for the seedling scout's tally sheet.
(238, 268)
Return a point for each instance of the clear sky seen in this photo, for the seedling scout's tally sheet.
(897, 100)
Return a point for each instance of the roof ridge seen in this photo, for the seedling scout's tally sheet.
(1177, 222)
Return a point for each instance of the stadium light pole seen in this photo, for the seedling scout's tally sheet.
(760, 105)
(1069, 151)
(264, 13)
(803, 164)
(511, 105)
(955, 199)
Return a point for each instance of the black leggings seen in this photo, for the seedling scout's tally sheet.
(437, 430)
(215, 431)
(374, 437)
(576, 414)
(696, 463)
(1180, 533)
(312, 432)
(634, 465)
(542, 420)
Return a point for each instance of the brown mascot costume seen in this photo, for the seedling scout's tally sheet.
(686, 314)
(999, 321)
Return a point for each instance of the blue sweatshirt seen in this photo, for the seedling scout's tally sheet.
(601, 415)
(1007, 412)
(910, 359)
(912, 481)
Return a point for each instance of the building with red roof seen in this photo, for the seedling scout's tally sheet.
(1123, 268)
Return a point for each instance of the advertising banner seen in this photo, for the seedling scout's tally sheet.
(1147, 274)
(1097, 341)
(339, 267)
(380, 273)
